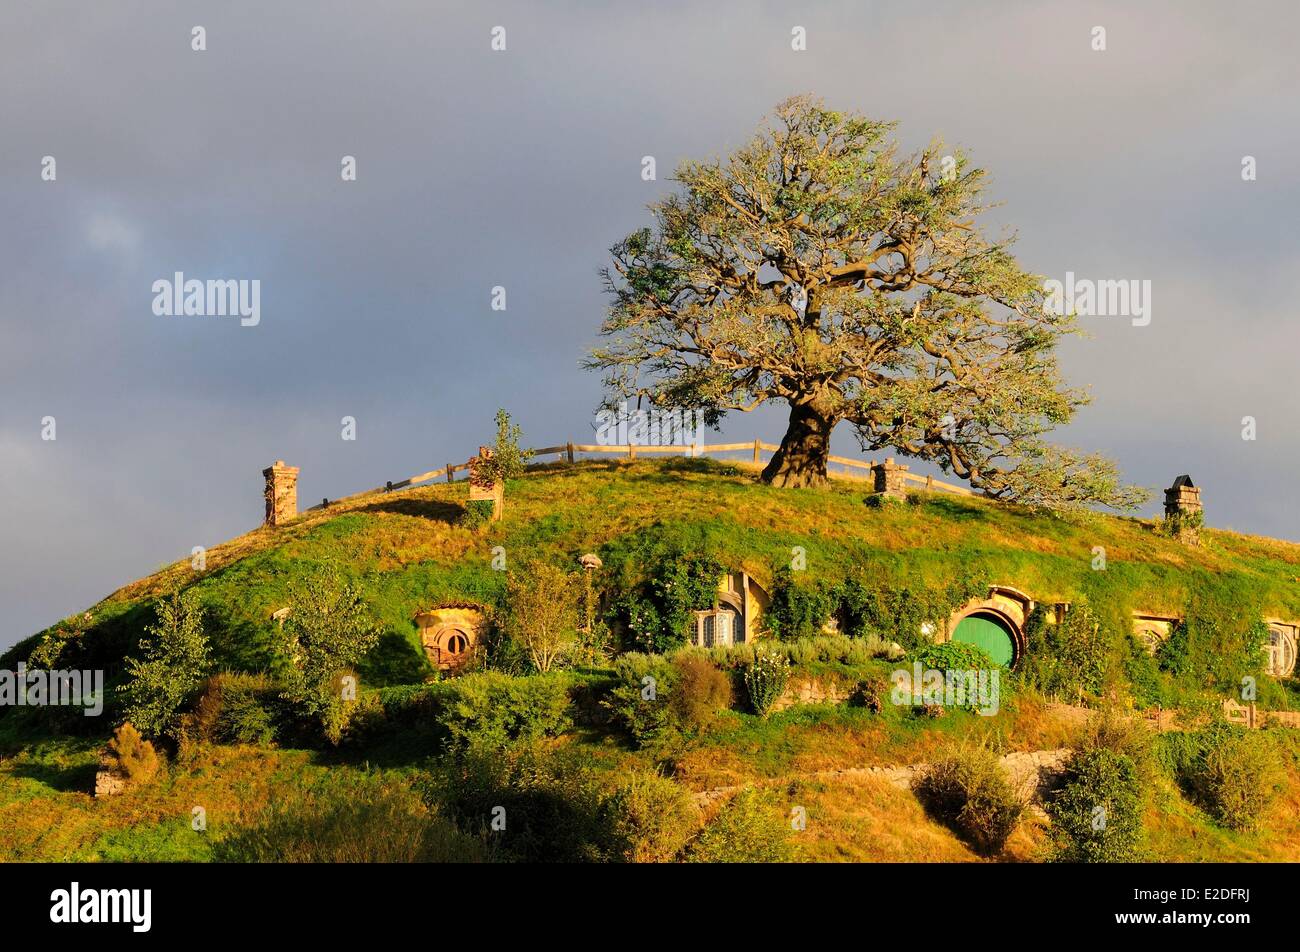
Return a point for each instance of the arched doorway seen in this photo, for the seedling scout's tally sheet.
(452, 634)
(990, 633)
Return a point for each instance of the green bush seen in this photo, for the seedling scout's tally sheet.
(952, 656)
(1222, 639)
(362, 821)
(638, 701)
(1096, 812)
(700, 692)
(329, 629)
(176, 660)
(529, 805)
(1147, 684)
(235, 709)
(765, 681)
(959, 656)
(478, 512)
(648, 819)
(746, 831)
(489, 710)
(1235, 774)
(1068, 658)
(797, 610)
(656, 700)
(968, 790)
(897, 612)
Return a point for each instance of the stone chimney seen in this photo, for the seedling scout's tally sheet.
(1183, 510)
(281, 493)
(889, 481)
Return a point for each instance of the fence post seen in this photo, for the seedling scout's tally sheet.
(449, 472)
(570, 448)
(631, 451)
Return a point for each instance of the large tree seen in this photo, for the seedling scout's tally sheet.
(817, 267)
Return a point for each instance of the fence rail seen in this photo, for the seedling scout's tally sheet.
(569, 451)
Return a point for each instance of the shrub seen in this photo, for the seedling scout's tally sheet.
(132, 756)
(478, 512)
(898, 612)
(529, 805)
(1142, 670)
(234, 709)
(1096, 813)
(1221, 640)
(507, 460)
(969, 791)
(870, 693)
(1235, 775)
(745, 831)
(1109, 729)
(952, 656)
(638, 702)
(797, 610)
(328, 631)
(765, 681)
(1068, 658)
(648, 818)
(176, 659)
(542, 616)
(955, 657)
(700, 692)
(245, 716)
(490, 710)
(363, 821)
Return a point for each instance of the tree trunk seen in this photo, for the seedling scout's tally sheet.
(802, 458)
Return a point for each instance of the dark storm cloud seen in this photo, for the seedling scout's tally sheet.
(519, 169)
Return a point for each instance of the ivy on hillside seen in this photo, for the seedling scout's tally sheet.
(655, 614)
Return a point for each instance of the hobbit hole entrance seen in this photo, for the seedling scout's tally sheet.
(991, 634)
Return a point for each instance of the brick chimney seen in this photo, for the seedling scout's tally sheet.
(281, 493)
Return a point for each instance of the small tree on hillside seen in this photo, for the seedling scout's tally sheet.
(327, 632)
(176, 660)
(543, 612)
(818, 268)
(508, 460)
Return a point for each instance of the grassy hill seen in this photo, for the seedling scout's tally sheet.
(400, 763)
(406, 552)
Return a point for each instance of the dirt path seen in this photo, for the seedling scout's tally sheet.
(1029, 772)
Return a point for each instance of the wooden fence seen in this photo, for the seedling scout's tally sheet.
(568, 452)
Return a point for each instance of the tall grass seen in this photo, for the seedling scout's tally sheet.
(359, 821)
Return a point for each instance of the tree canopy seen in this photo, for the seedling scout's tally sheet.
(818, 267)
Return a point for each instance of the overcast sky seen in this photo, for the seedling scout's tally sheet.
(519, 168)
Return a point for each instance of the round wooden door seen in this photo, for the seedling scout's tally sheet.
(989, 634)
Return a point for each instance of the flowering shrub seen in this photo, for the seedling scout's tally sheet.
(765, 681)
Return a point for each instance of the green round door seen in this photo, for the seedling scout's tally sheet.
(992, 636)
